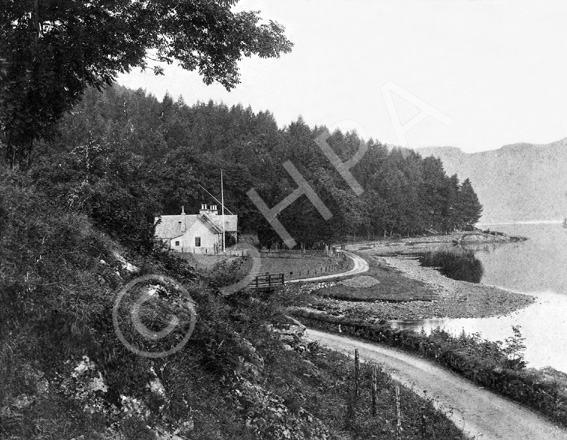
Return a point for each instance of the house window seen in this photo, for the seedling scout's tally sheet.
(176, 243)
(197, 241)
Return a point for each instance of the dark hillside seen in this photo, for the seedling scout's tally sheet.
(66, 374)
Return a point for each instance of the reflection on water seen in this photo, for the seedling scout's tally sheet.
(538, 267)
(457, 263)
(543, 324)
(535, 265)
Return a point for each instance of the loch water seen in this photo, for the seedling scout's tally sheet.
(537, 267)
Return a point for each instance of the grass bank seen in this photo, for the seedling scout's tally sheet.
(67, 374)
(296, 265)
(380, 283)
(405, 290)
(497, 366)
(324, 383)
(293, 264)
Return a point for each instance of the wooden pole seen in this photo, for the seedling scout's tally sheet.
(398, 415)
(423, 423)
(352, 394)
(356, 372)
(374, 390)
(222, 208)
(215, 199)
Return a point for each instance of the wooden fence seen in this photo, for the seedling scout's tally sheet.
(212, 251)
(267, 282)
(292, 253)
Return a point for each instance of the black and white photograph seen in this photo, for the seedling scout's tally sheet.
(283, 220)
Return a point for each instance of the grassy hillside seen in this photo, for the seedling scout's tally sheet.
(66, 374)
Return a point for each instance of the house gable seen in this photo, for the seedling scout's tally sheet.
(182, 231)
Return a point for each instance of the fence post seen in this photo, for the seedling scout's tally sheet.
(352, 394)
(423, 423)
(398, 415)
(374, 390)
(356, 372)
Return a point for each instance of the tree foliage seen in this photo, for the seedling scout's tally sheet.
(124, 157)
(52, 50)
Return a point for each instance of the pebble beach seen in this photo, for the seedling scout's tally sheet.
(457, 299)
(453, 298)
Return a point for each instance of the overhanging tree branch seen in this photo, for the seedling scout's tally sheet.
(88, 44)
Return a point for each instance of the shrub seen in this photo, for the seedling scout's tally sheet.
(486, 363)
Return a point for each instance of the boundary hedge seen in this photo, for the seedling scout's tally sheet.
(482, 362)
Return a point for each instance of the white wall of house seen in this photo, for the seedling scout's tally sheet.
(208, 242)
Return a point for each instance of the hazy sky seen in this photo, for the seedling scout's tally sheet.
(478, 74)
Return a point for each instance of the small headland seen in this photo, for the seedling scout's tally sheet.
(402, 245)
(397, 287)
(485, 236)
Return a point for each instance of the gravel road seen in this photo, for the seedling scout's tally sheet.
(360, 266)
(481, 414)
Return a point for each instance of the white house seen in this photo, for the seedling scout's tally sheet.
(198, 233)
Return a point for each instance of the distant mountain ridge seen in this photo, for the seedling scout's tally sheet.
(518, 182)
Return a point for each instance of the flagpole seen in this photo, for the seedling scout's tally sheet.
(222, 207)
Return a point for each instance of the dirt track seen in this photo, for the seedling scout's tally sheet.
(360, 266)
(479, 413)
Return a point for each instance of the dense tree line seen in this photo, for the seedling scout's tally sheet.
(53, 50)
(123, 156)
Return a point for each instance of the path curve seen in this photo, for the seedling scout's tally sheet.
(360, 266)
(480, 413)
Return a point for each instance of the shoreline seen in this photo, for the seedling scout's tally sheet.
(453, 298)
(460, 299)
(401, 245)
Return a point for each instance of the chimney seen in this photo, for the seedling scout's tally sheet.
(183, 222)
(214, 210)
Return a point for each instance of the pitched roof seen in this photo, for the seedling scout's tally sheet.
(208, 220)
(172, 226)
(230, 222)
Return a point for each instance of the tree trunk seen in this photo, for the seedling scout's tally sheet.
(18, 156)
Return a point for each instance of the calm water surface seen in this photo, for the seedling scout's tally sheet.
(538, 267)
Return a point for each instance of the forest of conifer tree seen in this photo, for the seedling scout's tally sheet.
(124, 157)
